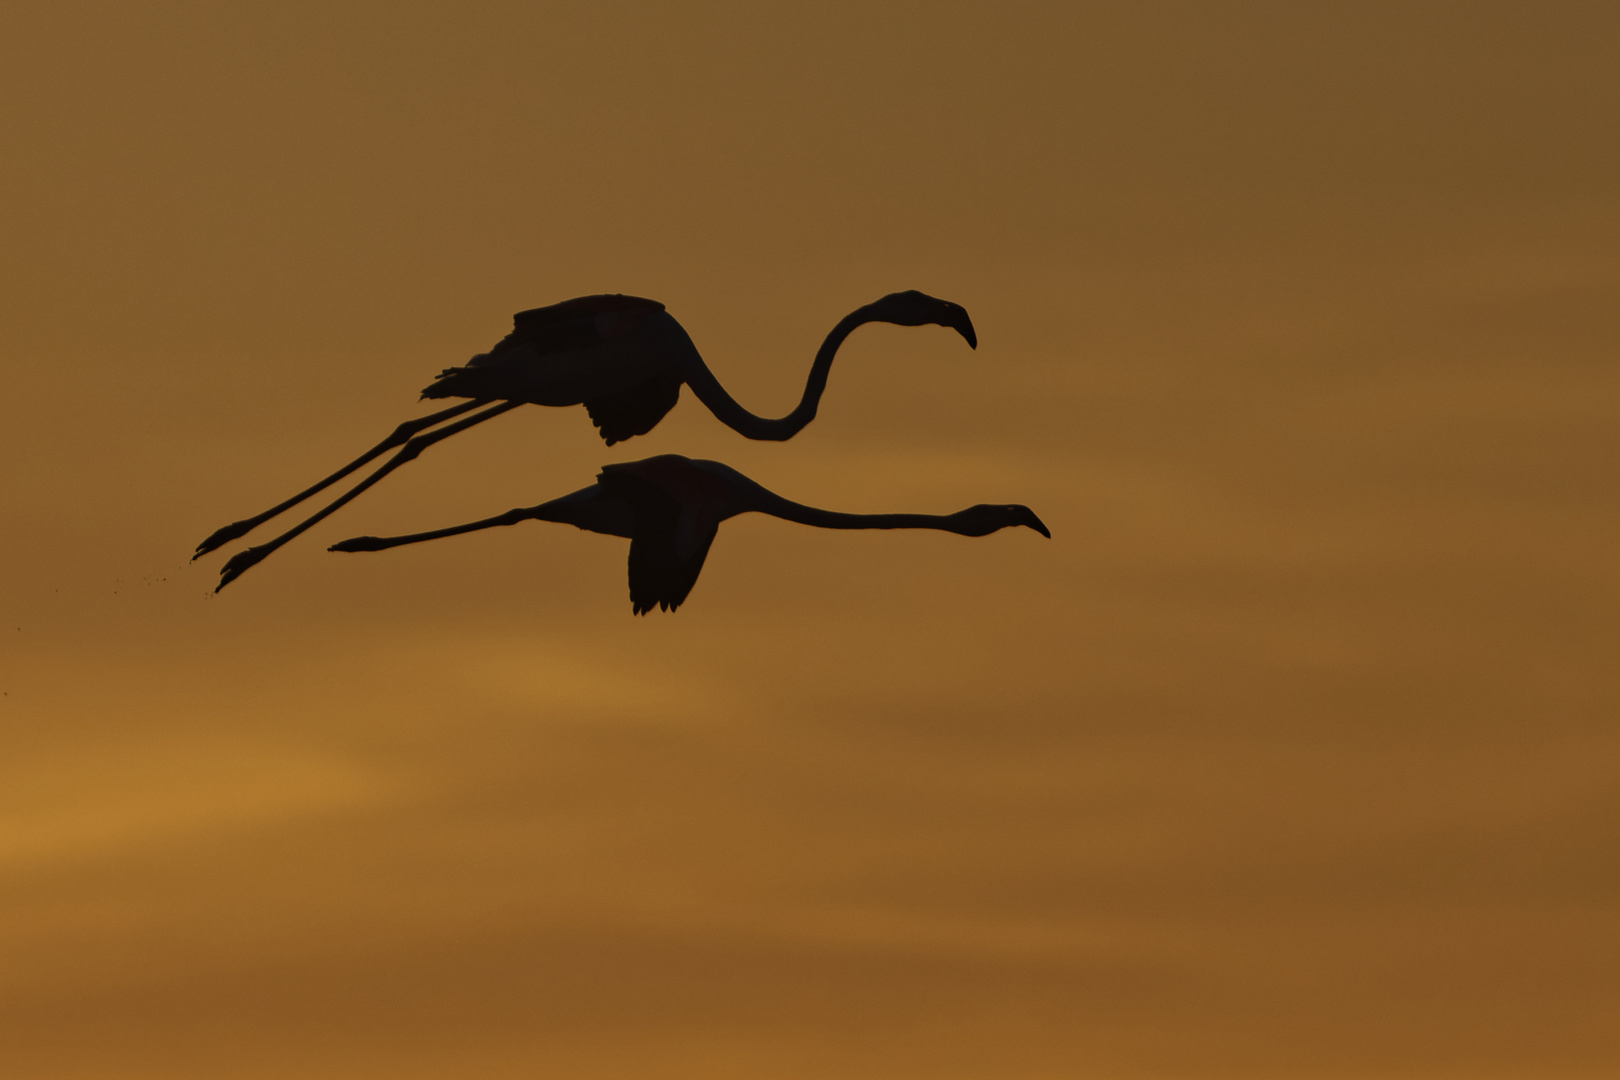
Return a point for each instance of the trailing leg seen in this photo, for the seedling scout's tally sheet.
(242, 561)
(401, 435)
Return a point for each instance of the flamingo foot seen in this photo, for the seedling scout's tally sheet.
(359, 543)
(241, 563)
(220, 537)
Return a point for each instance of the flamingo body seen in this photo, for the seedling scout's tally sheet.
(671, 507)
(622, 357)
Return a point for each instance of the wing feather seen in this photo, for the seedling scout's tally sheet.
(622, 416)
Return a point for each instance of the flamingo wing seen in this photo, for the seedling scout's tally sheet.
(634, 412)
(573, 324)
(672, 535)
(584, 320)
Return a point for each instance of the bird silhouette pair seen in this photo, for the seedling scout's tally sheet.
(625, 359)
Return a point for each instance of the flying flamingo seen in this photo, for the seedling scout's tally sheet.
(623, 357)
(671, 507)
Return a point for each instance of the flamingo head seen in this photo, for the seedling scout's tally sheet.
(984, 519)
(913, 308)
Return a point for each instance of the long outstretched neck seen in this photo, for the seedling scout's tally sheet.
(729, 412)
(767, 502)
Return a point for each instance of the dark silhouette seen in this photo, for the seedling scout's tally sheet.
(671, 507)
(624, 358)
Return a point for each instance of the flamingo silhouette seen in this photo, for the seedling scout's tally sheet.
(671, 507)
(623, 357)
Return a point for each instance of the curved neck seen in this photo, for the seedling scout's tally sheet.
(729, 412)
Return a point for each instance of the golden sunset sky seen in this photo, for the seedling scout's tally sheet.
(1294, 754)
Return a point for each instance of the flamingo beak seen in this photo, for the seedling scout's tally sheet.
(957, 319)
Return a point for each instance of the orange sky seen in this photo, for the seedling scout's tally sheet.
(1292, 754)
